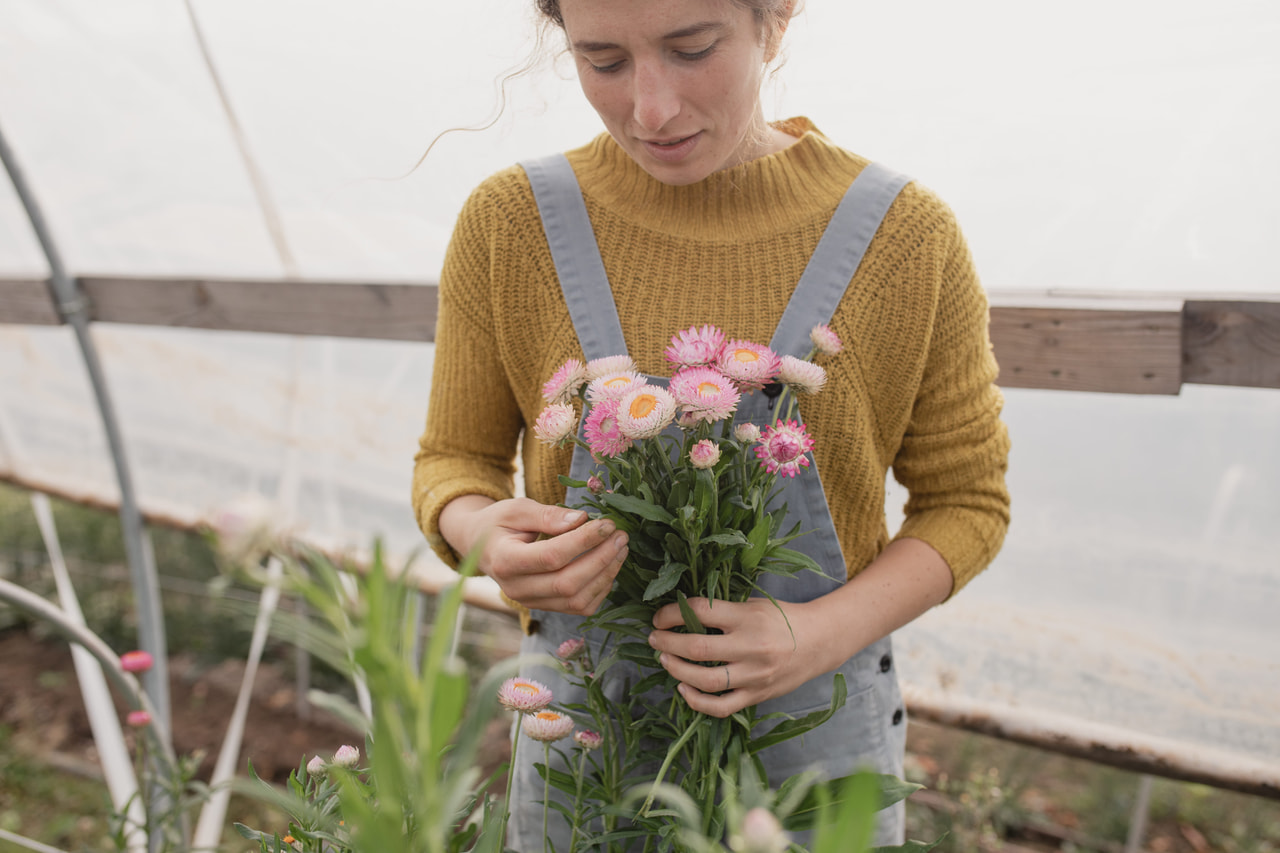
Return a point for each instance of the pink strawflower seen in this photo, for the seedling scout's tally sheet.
(749, 364)
(138, 719)
(747, 433)
(826, 341)
(704, 454)
(565, 382)
(688, 420)
(782, 448)
(705, 393)
(555, 424)
(136, 661)
(316, 766)
(346, 756)
(804, 376)
(588, 739)
(603, 434)
(613, 385)
(547, 726)
(645, 411)
(761, 832)
(598, 367)
(695, 346)
(571, 649)
(595, 485)
(525, 695)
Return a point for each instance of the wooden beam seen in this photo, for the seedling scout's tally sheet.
(391, 311)
(1075, 345)
(27, 301)
(1139, 344)
(1231, 343)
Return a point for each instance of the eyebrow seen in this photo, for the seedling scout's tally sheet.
(684, 32)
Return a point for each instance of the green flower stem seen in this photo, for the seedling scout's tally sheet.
(511, 776)
(546, 793)
(577, 800)
(666, 762)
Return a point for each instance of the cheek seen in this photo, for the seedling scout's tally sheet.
(607, 98)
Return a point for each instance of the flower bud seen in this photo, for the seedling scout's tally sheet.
(316, 766)
(760, 833)
(136, 661)
(747, 433)
(138, 719)
(346, 756)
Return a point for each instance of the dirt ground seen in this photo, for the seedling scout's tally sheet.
(40, 705)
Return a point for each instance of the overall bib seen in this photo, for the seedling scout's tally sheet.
(869, 732)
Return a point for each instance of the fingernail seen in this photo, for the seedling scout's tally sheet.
(573, 516)
(620, 541)
(606, 527)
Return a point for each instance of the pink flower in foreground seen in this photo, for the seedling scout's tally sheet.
(571, 649)
(565, 382)
(705, 393)
(613, 386)
(522, 694)
(588, 739)
(749, 364)
(645, 412)
(595, 485)
(826, 341)
(598, 367)
(138, 719)
(747, 433)
(604, 436)
(136, 661)
(346, 756)
(761, 832)
(695, 346)
(555, 423)
(704, 454)
(782, 447)
(547, 726)
(316, 766)
(804, 376)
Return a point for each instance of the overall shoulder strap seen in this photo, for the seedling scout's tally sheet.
(836, 259)
(576, 256)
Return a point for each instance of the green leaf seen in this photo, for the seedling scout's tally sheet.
(793, 728)
(572, 484)
(666, 580)
(759, 540)
(691, 620)
(637, 506)
(732, 539)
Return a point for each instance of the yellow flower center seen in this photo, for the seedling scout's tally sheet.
(745, 355)
(548, 715)
(524, 687)
(641, 406)
(617, 382)
(708, 389)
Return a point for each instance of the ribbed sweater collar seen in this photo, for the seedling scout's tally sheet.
(786, 190)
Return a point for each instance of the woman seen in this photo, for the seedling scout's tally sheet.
(704, 213)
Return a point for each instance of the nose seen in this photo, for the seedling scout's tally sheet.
(656, 100)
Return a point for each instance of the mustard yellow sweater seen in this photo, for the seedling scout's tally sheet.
(913, 390)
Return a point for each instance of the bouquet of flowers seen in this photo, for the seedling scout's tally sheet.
(695, 494)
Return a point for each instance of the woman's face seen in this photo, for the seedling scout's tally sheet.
(676, 82)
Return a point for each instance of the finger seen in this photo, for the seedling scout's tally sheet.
(712, 614)
(712, 705)
(693, 647)
(524, 514)
(579, 586)
(558, 552)
(706, 679)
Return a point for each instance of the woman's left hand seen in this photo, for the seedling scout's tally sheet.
(765, 651)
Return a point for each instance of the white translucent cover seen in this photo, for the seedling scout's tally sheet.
(1093, 147)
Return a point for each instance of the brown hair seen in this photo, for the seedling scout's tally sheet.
(772, 15)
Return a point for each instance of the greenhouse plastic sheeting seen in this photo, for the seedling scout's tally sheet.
(1096, 148)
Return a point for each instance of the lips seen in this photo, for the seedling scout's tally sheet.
(671, 150)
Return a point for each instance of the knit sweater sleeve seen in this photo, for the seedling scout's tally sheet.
(954, 454)
(473, 420)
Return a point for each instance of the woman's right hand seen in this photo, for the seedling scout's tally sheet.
(571, 570)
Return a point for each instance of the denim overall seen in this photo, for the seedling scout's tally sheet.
(870, 730)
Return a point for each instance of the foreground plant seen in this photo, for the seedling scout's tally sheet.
(419, 788)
